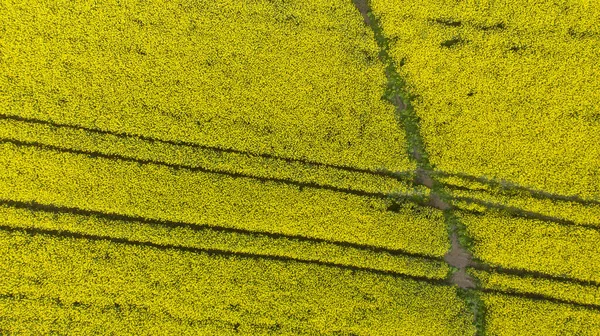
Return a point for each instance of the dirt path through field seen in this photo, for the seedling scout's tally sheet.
(458, 256)
(363, 8)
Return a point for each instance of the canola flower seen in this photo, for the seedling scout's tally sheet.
(45, 316)
(162, 193)
(297, 79)
(511, 316)
(150, 286)
(237, 242)
(581, 212)
(575, 212)
(528, 244)
(504, 90)
(199, 157)
(565, 290)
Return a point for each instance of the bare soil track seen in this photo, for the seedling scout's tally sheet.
(458, 256)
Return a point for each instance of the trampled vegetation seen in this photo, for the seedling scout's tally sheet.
(517, 84)
(290, 167)
(504, 94)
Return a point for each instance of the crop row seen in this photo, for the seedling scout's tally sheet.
(507, 103)
(529, 244)
(295, 79)
(508, 316)
(560, 207)
(574, 213)
(460, 181)
(571, 291)
(191, 157)
(203, 288)
(226, 240)
(160, 193)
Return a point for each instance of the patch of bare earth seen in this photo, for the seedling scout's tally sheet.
(458, 256)
(363, 8)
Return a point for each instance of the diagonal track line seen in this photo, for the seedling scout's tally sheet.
(224, 253)
(216, 252)
(539, 297)
(517, 212)
(38, 207)
(400, 176)
(506, 186)
(397, 94)
(523, 273)
(301, 185)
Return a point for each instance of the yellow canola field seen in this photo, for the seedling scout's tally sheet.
(564, 290)
(534, 245)
(161, 193)
(46, 316)
(578, 16)
(203, 158)
(511, 316)
(577, 213)
(297, 79)
(238, 242)
(236, 294)
(499, 98)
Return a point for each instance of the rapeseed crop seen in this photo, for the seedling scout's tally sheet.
(293, 79)
(211, 159)
(535, 245)
(559, 207)
(233, 167)
(236, 294)
(209, 168)
(508, 316)
(45, 316)
(162, 193)
(571, 211)
(503, 92)
(571, 291)
(218, 238)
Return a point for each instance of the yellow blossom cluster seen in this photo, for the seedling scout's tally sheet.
(574, 212)
(578, 293)
(163, 193)
(205, 158)
(216, 238)
(529, 244)
(514, 316)
(504, 90)
(297, 79)
(72, 285)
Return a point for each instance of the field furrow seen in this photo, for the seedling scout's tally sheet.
(161, 193)
(514, 103)
(288, 167)
(201, 158)
(237, 290)
(226, 240)
(576, 292)
(527, 244)
(297, 80)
